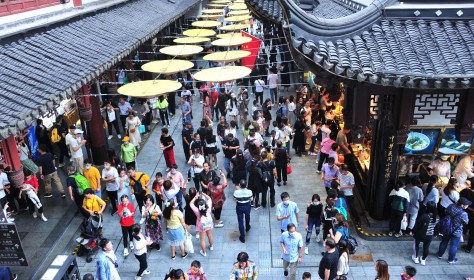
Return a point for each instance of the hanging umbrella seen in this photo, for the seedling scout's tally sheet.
(148, 89)
(238, 6)
(212, 11)
(231, 41)
(210, 16)
(216, 5)
(226, 35)
(191, 40)
(234, 27)
(221, 1)
(238, 12)
(221, 74)
(238, 18)
(206, 23)
(169, 66)
(199, 33)
(181, 50)
(227, 56)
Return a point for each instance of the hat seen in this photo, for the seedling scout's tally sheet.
(464, 201)
(126, 139)
(444, 157)
(78, 131)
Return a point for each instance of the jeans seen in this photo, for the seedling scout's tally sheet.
(243, 209)
(259, 95)
(316, 223)
(412, 220)
(453, 246)
(273, 95)
(426, 246)
(292, 266)
(313, 143)
(143, 263)
(396, 221)
(127, 236)
(98, 193)
(227, 165)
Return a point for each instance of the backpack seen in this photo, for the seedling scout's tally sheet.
(55, 138)
(341, 209)
(352, 244)
(247, 142)
(137, 187)
(267, 176)
(446, 225)
(279, 112)
(81, 182)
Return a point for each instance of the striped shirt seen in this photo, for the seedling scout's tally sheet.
(243, 195)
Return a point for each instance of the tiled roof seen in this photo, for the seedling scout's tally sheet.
(268, 8)
(332, 9)
(40, 70)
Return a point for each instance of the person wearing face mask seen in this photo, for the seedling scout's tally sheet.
(111, 119)
(196, 162)
(244, 269)
(124, 185)
(126, 212)
(287, 212)
(157, 188)
(92, 175)
(128, 153)
(178, 179)
(292, 244)
(111, 177)
(76, 149)
(313, 219)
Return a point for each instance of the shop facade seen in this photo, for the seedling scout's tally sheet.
(406, 95)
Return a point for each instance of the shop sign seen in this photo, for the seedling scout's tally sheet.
(11, 250)
(389, 158)
(33, 143)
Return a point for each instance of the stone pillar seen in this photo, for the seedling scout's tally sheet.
(12, 161)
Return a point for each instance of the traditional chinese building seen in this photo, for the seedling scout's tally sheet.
(405, 70)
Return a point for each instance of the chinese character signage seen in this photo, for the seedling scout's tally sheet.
(11, 250)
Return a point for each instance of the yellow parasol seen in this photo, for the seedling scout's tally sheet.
(221, 1)
(206, 23)
(238, 6)
(234, 27)
(227, 56)
(216, 5)
(231, 41)
(227, 35)
(224, 73)
(149, 88)
(191, 40)
(181, 50)
(238, 12)
(212, 11)
(199, 33)
(210, 16)
(238, 18)
(169, 66)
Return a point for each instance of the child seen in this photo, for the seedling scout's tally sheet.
(157, 187)
(313, 219)
(31, 192)
(7, 215)
(409, 273)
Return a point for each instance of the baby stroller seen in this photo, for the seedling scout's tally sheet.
(91, 231)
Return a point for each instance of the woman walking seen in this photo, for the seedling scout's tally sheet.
(162, 105)
(314, 212)
(139, 244)
(211, 148)
(152, 213)
(216, 192)
(343, 264)
(340, 230)
(281, 162)
(124, 185)
(126, 212)
(399, 200)
(449, 196)
(174, 222)
(381, 267)
(131, 125)
(189, 215)
(424, 232)
(166, 145)
(146, 114)
(243, 103)
(232, 109)
(431, 194)
(206, 104)
(238, 167)
(204, 222)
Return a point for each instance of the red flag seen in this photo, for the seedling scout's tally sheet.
(253, 47)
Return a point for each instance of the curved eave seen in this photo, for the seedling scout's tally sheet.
(263, 13)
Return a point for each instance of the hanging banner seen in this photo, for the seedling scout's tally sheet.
(33, 143)
(253, 47)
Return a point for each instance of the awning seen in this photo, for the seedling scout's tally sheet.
(39, 71)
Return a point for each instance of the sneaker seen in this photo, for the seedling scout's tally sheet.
(43, 218)
(200, 102)
(278, 183)
(173, 257)
(317, 171)
(285, 273)
(48, 195)
(422, 261)
(119, 136)
(167, 170)
(284, 183)
(211, 248)
(63, 195)
(146, 272)
(10, 220)
(415, 259)
(219, 225)
(242, 239)
(197, 235)
(35, 215)
(256, 207)
(398, 234)
(131, 246)
(249, 227)
(453, 261)
(125, 252)
(439, 257)
(110, 137)
(390, 234)
(306, 251)
(61, 165)
(202, 253)
(138, 278)
(318, 239)
(185, 255)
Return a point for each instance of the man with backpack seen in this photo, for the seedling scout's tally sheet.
(451, 227)
(139, 182)
(76, 184)
(268, 177)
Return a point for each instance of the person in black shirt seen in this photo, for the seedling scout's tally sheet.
(47, 171)
(329, 261)
(202, 131)
(196, 144)
(74, 192)
(41, 133)
(62, 129)
(167, 144)
(187, 135)
(229, 147)
(268, 176)
(206, 177)
(281, 161)
(314, 212)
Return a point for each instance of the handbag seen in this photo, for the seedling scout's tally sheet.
(132, 130)
(188, 243)
(404, 224)
(289, 169)
(141, 128)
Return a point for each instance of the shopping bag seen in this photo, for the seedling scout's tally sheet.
(188, 243)
(289, 169)
(141, 129)
(404, 223)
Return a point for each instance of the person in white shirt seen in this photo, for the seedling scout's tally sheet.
(111, 178)
(259, 86)
(4, 185)
(464, 169)
(76, 150)
(170, 190)
(69, 137)
(32, 195)
(196, 162)
(272, 80)
(111, 119)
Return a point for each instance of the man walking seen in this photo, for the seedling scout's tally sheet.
(75, 191)
(185, 110)
(76, 150)
(230, 144)
(272, 80)
(329, 173)
(187, 135)
(47, 171)
(124, 109)
(329, 261)
(347, 183)
(92, 175)
(111, 178)
(269, 172)
(292, 244)
(287, 212)
(244, 269)
(243, 197)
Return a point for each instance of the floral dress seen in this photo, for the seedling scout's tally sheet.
(153, 226)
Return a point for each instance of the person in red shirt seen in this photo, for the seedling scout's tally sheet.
(214, 96)
(217, 195)
(126, 212)
(157, 188)
(30, 179)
